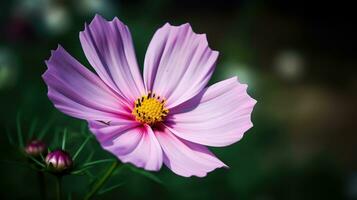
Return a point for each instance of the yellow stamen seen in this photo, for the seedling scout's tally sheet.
(150, 109)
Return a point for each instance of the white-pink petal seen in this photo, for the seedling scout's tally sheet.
(219, 116)
(107, 131)
(131, 143)
(186, 158)
(76, 91)
(178, 63)
(109, 48)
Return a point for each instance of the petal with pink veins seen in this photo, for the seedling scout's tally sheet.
(218, 116)
(186, 158)
(178, 63)
(78, 92)
(131, 142)
(109, 48)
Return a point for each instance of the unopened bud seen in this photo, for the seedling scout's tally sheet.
(58, 161)
(35, 148)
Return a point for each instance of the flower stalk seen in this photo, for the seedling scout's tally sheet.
(58, 187)
(99, 184)
(41, 181)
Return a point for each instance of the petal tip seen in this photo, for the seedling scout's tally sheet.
(205, 173)
(98, 16)
(53, 54)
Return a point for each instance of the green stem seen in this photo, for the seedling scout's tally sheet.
(99, 184)
(41, 181)
(58, 187)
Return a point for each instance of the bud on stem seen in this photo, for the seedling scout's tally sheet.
(35, 148)
(58, 161)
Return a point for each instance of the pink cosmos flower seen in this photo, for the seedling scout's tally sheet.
(169, 116)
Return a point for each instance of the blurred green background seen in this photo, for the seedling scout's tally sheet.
(298, 58)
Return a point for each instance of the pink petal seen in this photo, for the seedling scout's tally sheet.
(109, 48)
(186, 158)
(106, 132)
(131, 143)
(219, 116)
(76, 91)
(178, 63)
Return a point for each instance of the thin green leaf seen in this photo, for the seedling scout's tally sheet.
(146, 174)
(98, 162)
(32, 129)
(90, 165)
(89, 158)
(87, 172)
(120, 169)
(37, 162)
(91, 176)
(45, 129)
(102, 191)
(81, 170)
(56, 139)
(9, 136)
(19, 131)
(81, 147)
(64, 139)
(42, 158)
(77, 172)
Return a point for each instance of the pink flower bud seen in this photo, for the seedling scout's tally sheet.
(35, 148)
(58, 161)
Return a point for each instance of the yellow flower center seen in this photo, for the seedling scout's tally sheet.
(150, 109)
